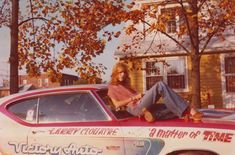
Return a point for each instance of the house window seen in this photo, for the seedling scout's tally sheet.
(66, 82)
(173, 19)
(171, 71)
(46, 82)
(171, 23)
(169, 17)
(154, 73)
(39, 82)
(230, 74)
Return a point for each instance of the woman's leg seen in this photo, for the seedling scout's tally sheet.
(173, 101)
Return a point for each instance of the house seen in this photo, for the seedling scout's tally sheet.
(43, 81)
(5, 89)
(162, 59)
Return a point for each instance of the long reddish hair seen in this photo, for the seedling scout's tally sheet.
(120, 66)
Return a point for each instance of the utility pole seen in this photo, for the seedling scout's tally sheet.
(14, 63)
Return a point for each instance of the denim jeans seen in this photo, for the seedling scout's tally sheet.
(173, 101)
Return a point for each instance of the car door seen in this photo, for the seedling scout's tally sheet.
(143, 146)
(72, 124)
(20, 114)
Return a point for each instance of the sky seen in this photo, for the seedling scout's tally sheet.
(4, 51)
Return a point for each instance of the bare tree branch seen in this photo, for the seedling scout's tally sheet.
(150, 43)
(29, 19)
(1, 9)
(31, 9)
(187, 21)
(199, 7)
(169, 36)
(211, 36)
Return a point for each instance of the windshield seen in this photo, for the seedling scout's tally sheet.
(120, 114)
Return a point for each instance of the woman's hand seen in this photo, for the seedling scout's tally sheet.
(137, 97)
(134, 100)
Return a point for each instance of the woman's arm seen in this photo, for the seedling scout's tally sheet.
(125, 102)
(121, 103)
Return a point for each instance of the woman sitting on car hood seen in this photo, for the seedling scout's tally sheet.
(122, 95)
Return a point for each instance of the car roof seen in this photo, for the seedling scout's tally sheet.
(56, 89)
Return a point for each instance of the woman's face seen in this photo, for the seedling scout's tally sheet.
(121, 74)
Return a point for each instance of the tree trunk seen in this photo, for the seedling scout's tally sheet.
(195, 55)
(14, 86)
(196, 91)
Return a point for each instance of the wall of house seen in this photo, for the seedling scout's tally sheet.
(211, 90)
(136, 75)
(68, 80)
(4, 92)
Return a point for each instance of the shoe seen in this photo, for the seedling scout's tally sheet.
(197, 116)
(186, 115)
(149, 117)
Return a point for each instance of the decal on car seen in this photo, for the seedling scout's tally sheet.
(206, 135)
(84, 131)
(71, 149)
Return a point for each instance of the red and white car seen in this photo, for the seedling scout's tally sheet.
(78, 120)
